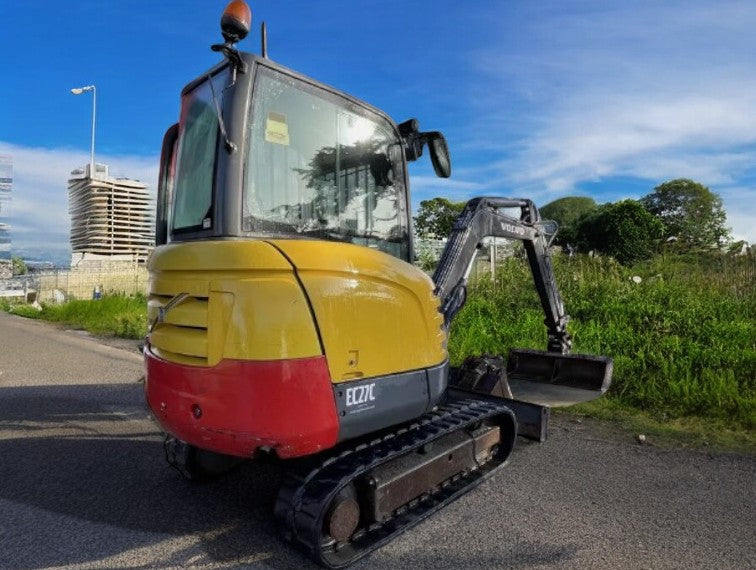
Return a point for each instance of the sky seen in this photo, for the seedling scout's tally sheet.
(546, 99)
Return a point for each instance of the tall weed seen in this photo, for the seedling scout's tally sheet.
(116, 315)
(683, 340)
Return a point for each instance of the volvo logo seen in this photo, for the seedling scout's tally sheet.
(513, 229)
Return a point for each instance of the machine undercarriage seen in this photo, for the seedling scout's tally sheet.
(359, 499)
(340, 505)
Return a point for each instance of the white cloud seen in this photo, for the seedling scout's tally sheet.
(740, 204)
(601, 93)
(39, 200)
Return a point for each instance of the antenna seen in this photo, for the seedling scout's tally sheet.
(264, 38)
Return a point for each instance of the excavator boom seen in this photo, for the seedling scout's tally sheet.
(533, 380)
(481, 218)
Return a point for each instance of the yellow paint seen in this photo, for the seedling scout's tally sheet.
(226, 255)
(218, 325)
(183, 340)
(177, 357)
(377, 314)
(245, 303)
(270, 319)
(190, 313)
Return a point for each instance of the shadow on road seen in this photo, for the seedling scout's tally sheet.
(31, 408)
(83, 481)
(92, 453)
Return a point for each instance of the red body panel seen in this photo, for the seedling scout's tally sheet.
(238, 406)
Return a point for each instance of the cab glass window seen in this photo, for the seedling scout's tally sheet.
(321, 166)
(197, 147)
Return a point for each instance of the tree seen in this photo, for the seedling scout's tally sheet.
(435, 218)
(690, 212)
(567, 212)
(625, 230)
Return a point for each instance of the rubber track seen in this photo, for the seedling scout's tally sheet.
(303, 500)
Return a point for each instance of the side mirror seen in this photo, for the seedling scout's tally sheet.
(414, 141)
(439, 154)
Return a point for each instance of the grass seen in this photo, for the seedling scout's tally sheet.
(686, 431)
(683, 340)
(119, 316)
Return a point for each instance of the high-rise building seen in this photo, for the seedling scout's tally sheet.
(6, 185)
(111, 218)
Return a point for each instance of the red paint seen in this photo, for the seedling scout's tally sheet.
(287, 405)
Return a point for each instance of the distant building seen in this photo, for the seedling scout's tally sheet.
(111, 218)
(6, 185)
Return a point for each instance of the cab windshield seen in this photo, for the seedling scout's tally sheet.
(320, 166)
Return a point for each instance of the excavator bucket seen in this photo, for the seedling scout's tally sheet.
(557, 380)
(531, 383)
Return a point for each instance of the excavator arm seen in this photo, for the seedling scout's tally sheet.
(481, 218)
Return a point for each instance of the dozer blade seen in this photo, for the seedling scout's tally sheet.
(557, 380)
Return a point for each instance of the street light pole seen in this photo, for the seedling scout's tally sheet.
(79, 91)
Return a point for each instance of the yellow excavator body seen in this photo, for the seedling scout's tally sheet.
(370, 314)
(286, 318)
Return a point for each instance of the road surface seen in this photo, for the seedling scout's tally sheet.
(83, 484)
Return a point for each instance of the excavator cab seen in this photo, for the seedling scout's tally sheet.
(284, 240)
(286, 318)
(270, 153)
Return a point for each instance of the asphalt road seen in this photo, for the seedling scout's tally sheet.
(83, 484)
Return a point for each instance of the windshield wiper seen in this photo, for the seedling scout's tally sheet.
(229, 146)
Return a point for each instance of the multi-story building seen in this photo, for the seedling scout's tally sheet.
(111, 218)
(6, 184)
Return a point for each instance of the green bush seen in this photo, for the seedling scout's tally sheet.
(567, 212)
(625, 230)
(23, 310)
(683, 340)
(110, 316)
(19, 266)
(690, 212)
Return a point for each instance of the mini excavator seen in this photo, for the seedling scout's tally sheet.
(287, 320)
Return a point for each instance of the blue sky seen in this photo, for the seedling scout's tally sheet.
(537, 99)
